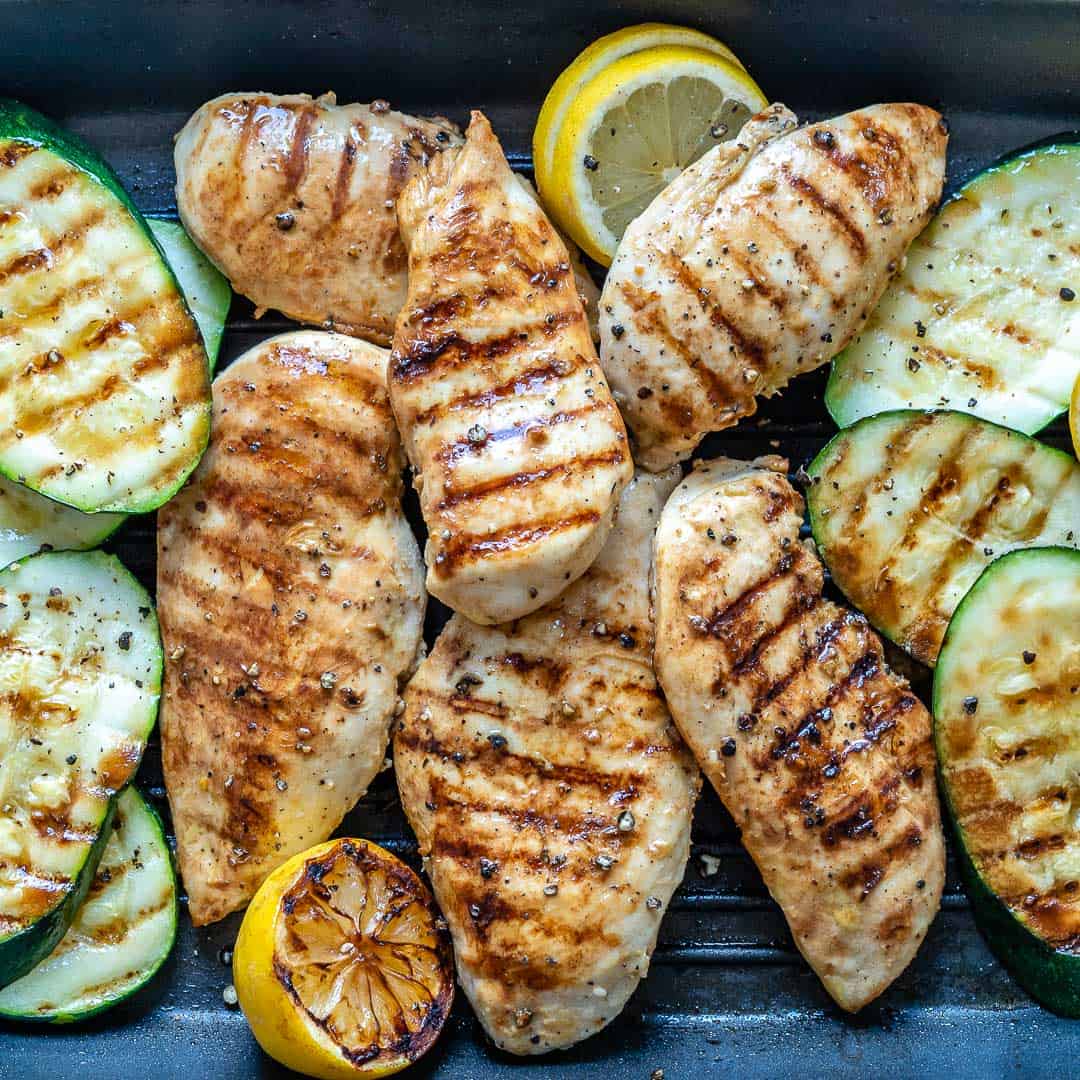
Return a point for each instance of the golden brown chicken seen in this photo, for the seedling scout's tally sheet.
(519, 450)
(551, 795)
(293, 198)
(291, 600)
(759, 263)
(820, 752)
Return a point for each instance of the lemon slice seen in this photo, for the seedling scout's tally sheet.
(343, 967)
(632, 128)
(592, 61)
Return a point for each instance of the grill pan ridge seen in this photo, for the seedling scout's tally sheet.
(727, 995)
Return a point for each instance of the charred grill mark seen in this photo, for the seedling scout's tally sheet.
(1053, 915)
(516, 481)
(877, 177)
(745, 343)
(487, 760)
(531, 381)
(749, 271)
(57, 411)
(948, 477)
(802, 602)
(470, 547)
(546, 670)
(851, 232)
(344, 175)
(798, 251)
(114, 327)
(27, 263)
(823, 639)
(735, 608)
(13, 151)
(296, 162)
(899, 445)
(52, 186)
(452, 452)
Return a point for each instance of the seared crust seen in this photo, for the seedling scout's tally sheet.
(519, 449)
(293, 198)
(759, 263)
(291, 601)
(529, 756)
(820, 752)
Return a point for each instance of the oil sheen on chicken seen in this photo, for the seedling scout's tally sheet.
(291, 601)
(821, 754)
(758, 264)
(551, 795)
(518, 448)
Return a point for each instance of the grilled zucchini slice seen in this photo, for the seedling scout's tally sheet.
(30, 523)
(80, 676)
(104, 382)
(907, 508)
(1006, 706)
(205, 287)
(985, 317)
(122, 933)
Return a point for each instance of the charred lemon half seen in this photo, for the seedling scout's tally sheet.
(343, 965)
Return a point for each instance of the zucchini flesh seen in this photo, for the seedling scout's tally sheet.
(205, 288)
(907, 508)
(80, 677)
(985, 317)
(30, 523)
(1007, 729)
(104, 384)
(122, 933)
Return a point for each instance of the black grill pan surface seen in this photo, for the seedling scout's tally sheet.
(727, 995)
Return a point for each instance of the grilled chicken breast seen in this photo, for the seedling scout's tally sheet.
(293, 199)
(291, 600)
(519, 450)
(551, 795)
(820, 752)
(759, 263)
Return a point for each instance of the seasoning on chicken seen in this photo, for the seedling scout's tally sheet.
(820, 752)
(291, 601)
(519, 450)
(551, 795)
(293, 199)
(759, 263)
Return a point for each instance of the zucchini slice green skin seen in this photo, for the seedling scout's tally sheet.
(121, 935)
(908, 507)
(1006, 703)
(985, 317)
(205, 287)
(80, 679)
(104, 382)
(30, 523)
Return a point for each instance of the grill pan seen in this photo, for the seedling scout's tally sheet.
(727, 995)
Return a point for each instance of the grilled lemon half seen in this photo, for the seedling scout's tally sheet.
(343, 966)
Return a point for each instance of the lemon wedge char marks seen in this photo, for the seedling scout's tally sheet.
(343, 966)
(358, 957)
(633, 128)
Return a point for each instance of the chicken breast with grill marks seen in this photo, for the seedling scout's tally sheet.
(759, 263)
(293, 198)
(551, 795)
(291, 601)
(519, 450)
(820, 752)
